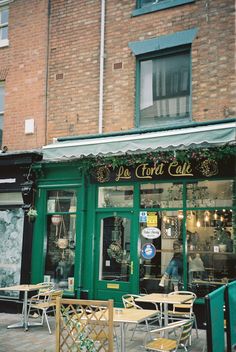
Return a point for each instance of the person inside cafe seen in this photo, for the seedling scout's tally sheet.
(174, 270)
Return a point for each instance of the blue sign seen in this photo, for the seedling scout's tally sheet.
(148, 251)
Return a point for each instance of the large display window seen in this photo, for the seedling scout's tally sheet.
(189, 230)
(61, 238)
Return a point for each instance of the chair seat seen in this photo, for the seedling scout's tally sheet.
(162, 344)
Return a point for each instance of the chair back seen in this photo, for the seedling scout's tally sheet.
(187, 307)
(129, 301)
(53, 294)
(185, 333)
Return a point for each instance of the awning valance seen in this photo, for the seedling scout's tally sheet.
(201, 136)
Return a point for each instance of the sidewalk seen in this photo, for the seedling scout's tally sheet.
(37, 339)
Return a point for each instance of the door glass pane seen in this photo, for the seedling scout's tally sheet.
(11, 239)
(211, 249)
(210, 193)
(160, 248)
(61, 238)
(115, 249)
(115, 196)
(163, 195)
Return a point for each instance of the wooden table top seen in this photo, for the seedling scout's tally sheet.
(164, 298)
(23, 287)
(132, 315)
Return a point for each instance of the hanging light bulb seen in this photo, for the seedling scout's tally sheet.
(207, 216)
(180, 214)
(221, 218)
(198, 223)
(215, 215)
(165, 218)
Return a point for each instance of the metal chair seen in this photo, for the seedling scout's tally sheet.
(43, 303)
(184, 310)
(182, 332)
(129, 303)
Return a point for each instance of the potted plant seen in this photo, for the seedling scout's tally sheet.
(32, 214)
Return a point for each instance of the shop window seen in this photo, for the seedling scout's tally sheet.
(4, 13)
(115, 196)
(211, 249)
(115, 249)
(11, 240)
(61, 238)
(146, 6)
(162, 195)
(2, 94)
(165, 90)
(210, 194)
(161, 252)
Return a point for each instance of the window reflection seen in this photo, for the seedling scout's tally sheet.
(211, 248)
(115, 249)
(115, 196)
(162, 195)
(210, 193)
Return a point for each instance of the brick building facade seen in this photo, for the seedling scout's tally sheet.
(23, 72)
(74, 61)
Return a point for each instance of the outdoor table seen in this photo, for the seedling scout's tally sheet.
(23, 288)
(123, 316)
(164, 299)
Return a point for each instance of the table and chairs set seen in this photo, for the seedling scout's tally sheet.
(176, 307)
(37, 306)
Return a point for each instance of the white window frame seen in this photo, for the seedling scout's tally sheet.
(3, 5)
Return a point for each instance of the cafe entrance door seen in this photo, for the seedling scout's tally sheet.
(114, 268)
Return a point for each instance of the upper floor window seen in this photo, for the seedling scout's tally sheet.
(145, 3)
(146, 6)
(2, 93)
(164, 96)
(4, 13)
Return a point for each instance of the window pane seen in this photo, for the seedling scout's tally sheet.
(165, 89)
(4, 16)
(61, 201)
(210, 194)
(145, 3)
(164, 195)
(1, 97)
(61, 250)
(211, 249)
(121, 196)
(165, 257)
(115, 249)
(11, 239)
(4, 33)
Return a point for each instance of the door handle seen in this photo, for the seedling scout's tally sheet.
(131, 267)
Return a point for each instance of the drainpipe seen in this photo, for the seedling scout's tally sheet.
(101, 76)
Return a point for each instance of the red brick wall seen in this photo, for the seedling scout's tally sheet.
(74, 57)
(23, 66)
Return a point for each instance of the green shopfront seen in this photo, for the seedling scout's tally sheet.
(109, 222)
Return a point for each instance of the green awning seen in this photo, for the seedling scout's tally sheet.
(183, 138)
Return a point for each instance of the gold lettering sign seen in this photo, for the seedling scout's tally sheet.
(170, 169)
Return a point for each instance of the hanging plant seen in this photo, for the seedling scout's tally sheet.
(32, 214)
(198, 154)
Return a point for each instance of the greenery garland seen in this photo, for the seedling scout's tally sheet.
(198, 154)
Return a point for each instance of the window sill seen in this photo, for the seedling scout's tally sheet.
(161, 6)
(4, 43)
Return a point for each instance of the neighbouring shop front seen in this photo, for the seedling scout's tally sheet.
(16, 199)
(109, 223)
